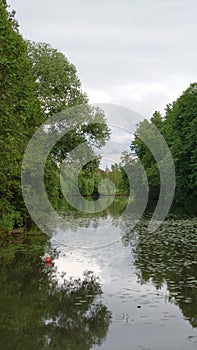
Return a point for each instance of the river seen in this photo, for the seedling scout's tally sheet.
(109, 286)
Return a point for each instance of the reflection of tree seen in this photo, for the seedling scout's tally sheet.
(169, 255)
(39, 313)
(85, 219)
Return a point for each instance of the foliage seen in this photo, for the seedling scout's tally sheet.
(20, 114)
(37, 81)
(117, 176)
(57, 83)
(178, 128)
(58, 88)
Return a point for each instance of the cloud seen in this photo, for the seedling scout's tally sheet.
(126, 52)
(122, 123)
(98, 96)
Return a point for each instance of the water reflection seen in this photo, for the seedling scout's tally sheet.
(166, 258)
(147, 280)
(37, 312)
(169, 256)
(142, 276)
(83, 230)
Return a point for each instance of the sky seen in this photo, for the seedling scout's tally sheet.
(140, 54)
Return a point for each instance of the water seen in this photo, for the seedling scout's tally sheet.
(140, 293)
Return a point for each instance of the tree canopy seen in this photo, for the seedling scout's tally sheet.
(178, 127)
(58, 85)
(36, 82)
(19, 111)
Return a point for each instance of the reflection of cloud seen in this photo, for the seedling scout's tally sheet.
(102, 262)
(75, 263)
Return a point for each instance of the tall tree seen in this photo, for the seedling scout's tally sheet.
(179, 128)
(19, 114)
(59, 88)
(58, 85)
(180, 131)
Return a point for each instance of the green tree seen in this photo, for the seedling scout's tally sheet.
(19, 115)
(36, 81)
(146, 157)
(58, 88)
(57, 83)
(178, 127)
(115, 175)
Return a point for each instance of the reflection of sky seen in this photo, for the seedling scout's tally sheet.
(142, 316)
(75, 263)
(85, 235)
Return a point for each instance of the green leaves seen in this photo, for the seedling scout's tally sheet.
(19, 114)
(57, 83)
(37, 81)
(179, 128)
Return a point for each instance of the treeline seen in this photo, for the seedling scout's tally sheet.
(179, 129)
(37, 81)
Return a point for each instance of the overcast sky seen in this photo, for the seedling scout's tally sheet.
(141, 54)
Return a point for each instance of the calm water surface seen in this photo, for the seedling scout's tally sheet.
(108, 287)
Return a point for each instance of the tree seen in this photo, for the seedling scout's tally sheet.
(178, 128)
(146, 157)
(35, 84)
(58, 89)
(20, 114)
(57, 83)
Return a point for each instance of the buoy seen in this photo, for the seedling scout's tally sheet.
(48, 260)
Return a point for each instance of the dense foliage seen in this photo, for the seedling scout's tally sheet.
(19, 115)
(57, 83)
(179, 129)
(37, 81)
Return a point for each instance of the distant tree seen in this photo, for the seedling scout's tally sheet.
(146, 157)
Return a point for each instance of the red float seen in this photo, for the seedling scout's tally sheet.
(48, 260)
